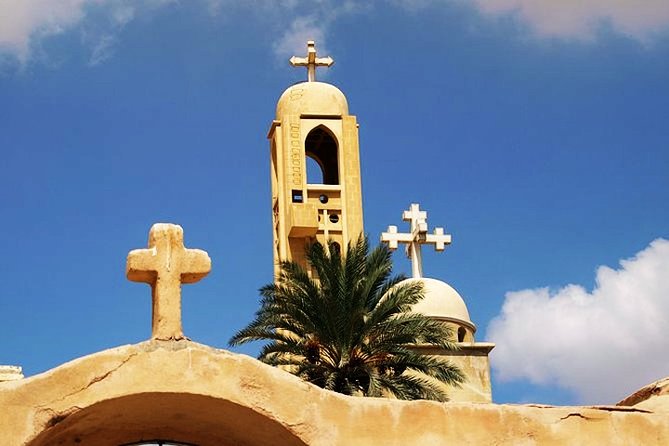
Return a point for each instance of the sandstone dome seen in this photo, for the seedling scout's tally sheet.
(315, 98)
(442, 302)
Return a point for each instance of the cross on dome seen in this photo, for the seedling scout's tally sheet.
(311, 61)
(417, 237)
(165, 265)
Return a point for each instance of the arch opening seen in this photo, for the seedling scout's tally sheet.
(158, 443)
(183, 418)
(321, 147)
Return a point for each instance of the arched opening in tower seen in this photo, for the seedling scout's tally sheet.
(321, 147)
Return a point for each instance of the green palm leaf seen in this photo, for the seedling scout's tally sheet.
(351, 329)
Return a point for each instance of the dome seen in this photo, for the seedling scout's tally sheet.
(442, 302)
(312, 98)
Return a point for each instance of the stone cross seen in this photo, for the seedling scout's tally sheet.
(416, 238)
(165, 265)
(311, 61)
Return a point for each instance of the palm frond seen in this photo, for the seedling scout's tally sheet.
(350, 329)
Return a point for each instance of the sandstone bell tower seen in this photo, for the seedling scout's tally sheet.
(313, 125)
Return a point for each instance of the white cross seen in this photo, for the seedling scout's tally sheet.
(416, 238)
(311, 61)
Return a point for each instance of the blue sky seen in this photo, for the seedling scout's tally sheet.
(535, 132)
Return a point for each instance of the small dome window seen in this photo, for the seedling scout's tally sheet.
(461, 334)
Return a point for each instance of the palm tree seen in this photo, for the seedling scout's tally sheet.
(351, 330)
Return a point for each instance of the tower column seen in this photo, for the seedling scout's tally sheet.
(312, 122)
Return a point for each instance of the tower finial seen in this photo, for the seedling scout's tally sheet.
(311, 61)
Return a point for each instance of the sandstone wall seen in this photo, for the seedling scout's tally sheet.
(188, 392)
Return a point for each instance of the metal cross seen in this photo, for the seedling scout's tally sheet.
(416, 238)
(311, 61)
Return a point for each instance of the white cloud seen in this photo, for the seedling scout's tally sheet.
(122, 14)
(103, 50)
(22, 20)
(24, 23)
(315, 26)
(580, 19)
(603, 344)
(293, 41)
(261, 7)
(101, 37)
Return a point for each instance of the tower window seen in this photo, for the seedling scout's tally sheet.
(321, 146)
(461, 334)
(298, 197)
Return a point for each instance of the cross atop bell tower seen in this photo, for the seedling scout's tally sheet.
(311, 61)
(323, 201)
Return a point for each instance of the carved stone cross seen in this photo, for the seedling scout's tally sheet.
(165, 265)
(416, 238)
(311, 61)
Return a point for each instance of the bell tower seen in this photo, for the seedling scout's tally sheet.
(313, 126)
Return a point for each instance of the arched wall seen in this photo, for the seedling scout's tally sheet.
(168, 390)
(197, 394)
